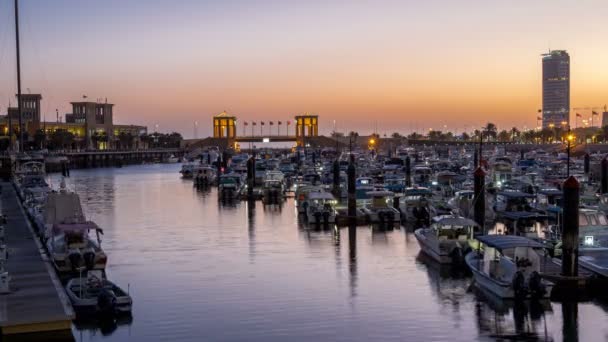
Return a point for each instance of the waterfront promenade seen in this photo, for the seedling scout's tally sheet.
(37, 302)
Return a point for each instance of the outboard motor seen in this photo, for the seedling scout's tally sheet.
(457, 256)
(317, 218)
(89, 259)
(537, 288)
(519, 286)
(106, 302)
(75, 259)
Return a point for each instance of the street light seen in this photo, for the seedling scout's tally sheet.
(570, 137)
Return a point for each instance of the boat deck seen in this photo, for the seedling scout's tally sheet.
(37, 302)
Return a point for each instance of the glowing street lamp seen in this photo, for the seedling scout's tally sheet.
(570, 137)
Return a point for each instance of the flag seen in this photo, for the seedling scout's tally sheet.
(262, 123)
(253, 123)
(245, 123)
(578, 115)
(84, 96)
(270, 123)
(288, 122)
(540, 110)
(594, 113)
(538, 118)
(279, 123)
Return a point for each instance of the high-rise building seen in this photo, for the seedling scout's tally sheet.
(556, 88)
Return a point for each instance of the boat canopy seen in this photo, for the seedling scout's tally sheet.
(522, 215)
(448, 220)
(76, 227)
(508, 241)
(320, 196)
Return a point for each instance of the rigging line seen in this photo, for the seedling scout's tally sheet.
(3, 41)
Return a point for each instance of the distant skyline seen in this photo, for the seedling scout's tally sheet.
(403, 64)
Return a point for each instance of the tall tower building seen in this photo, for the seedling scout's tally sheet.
(556, 88)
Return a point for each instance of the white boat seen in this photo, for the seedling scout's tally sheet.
(509, 267)
(95, 295)
(380, 209)
(273, 188)
(205, 175)
(71, 247)
(320, 208)
(447, 239)
(190, 169)
(171, 159)
(66, 232)
(302, 193)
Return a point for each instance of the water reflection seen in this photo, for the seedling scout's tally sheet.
(205, 269)
(251, 229)
(104, 326)
(352, 260)
(510, 320)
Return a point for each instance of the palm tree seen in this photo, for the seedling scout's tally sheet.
(514, 133)
(490, 130)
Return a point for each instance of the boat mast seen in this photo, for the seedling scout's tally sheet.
(18, 76)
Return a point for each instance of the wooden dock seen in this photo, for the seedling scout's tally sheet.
(37, 302)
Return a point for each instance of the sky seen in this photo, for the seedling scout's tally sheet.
(390, 66)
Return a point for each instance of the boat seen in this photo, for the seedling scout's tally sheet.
(320, 208)
(462, 203)
(273, 186)
(508, 266)
(302, 194)
(95, 295)
(190, 169)
(171, 159)
(71, 248)
(380, 209)
(66, 233)
(415, 205)
(447, 239)
(230, 185)
(205, 175)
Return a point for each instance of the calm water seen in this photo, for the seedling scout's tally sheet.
(202, 270)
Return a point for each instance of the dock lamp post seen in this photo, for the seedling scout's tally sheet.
(570, 139)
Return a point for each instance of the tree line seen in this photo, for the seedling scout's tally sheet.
(490, 132)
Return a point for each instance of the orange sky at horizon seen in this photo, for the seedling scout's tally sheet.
(401, 64)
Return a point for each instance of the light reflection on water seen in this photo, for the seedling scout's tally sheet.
(200, 269)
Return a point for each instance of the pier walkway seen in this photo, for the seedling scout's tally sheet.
(37, 302)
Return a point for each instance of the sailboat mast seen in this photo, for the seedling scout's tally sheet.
(18, 76)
